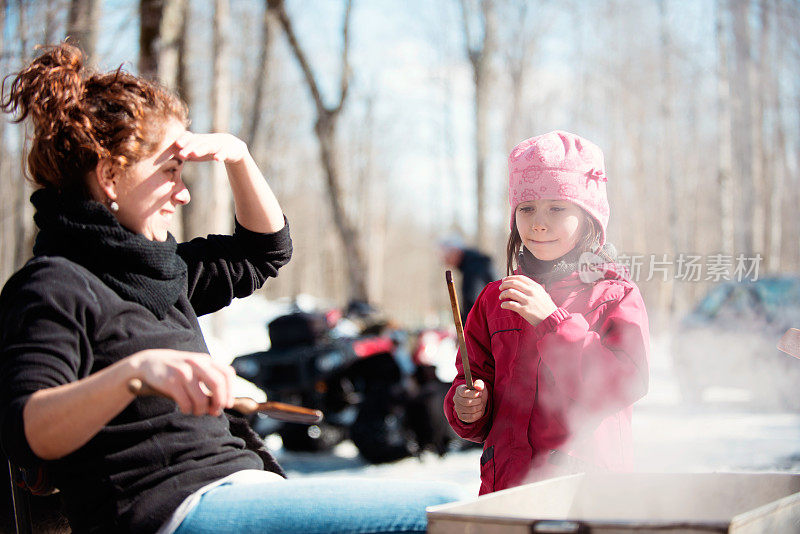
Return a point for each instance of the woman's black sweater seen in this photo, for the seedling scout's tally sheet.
(59, 322)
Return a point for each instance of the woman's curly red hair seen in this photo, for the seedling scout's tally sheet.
(80, 117)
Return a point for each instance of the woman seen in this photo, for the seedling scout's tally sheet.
(110, 296)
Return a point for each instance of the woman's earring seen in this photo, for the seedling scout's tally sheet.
(113, 206)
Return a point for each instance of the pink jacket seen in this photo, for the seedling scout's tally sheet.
(560, 392)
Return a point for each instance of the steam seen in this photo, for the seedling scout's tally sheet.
(743, 385)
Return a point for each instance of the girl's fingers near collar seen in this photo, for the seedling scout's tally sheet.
(519, 285)
(512, 294)
(517, 279)
(511, 305)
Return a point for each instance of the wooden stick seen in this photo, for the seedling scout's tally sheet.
(790, 342)
(244, 405)
(451, 288)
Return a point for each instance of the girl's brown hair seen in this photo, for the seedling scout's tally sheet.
(590, 242)
(80, 117)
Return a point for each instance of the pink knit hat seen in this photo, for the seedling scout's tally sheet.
(559, 166)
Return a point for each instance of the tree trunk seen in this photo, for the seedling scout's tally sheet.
(329, 150)
(724, 131)
(161, 36)
(150, 13)
(220, 215)
(480, 50)
(82, 24)
(520, 52)
(50, 17)
(7, 189)
(742, 126)
(23, 221)
(170, 50)
(481, 149)
(325, 130)
(262, 73)
(373, 206)
(184, 87)
(755, 77)
(4, 67)
(778, 169)
(668, 175)
(171, 36)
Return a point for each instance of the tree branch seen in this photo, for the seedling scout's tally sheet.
(345, 79)
(265, 52)
(280, 10)
(473, 44)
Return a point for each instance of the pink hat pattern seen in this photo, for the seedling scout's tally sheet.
(559, 166)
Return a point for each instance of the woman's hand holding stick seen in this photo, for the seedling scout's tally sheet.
(245, 405)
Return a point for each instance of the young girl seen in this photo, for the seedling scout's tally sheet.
(557, 360)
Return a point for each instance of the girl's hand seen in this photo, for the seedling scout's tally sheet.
(196, 383)
(222, 147)
(470, 404)
(522, 295)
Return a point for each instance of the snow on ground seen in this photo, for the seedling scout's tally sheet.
(460, 467)
(724, 434)
(727, 434)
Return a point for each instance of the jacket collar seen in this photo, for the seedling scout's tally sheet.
(569, 271)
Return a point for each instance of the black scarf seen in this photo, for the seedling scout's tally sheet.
(546, 272)
(84, 231)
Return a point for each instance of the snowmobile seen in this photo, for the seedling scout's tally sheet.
(373, 382)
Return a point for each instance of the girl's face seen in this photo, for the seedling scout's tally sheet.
(152, 189)
(549, 228)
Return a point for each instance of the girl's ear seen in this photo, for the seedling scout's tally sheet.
(106, 175)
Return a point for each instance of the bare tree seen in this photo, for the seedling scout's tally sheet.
(183, 87)
(170, 67)
(792, 23)
(3, 8)
(7, 186)
(162, 35)
(24, 230)
(756, 76)
(220, 214)
(150, 13)
(519, 48)
(171, 38)
(480, 36)
(52, 8)
(724, 130)
(262, 73)
(325, 130)
(742, 122)
(373, 208)
(777, 159)
(668, 175)
(84, 16)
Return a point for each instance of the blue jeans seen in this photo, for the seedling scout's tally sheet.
(318, 505)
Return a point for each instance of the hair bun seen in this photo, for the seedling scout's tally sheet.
(80, 117)
(49, 89)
